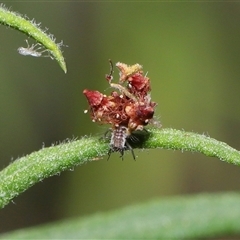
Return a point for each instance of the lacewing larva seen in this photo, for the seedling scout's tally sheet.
(127, 109)
(119, 141)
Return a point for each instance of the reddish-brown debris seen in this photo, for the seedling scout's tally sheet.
(130, 107)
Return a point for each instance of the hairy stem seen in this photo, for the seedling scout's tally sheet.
(189, 141)
(28, 170)
(32, 29)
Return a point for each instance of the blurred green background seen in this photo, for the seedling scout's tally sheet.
(191, 52)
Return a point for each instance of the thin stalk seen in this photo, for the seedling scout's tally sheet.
(32, 29)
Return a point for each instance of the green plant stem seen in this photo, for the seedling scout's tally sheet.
(28, 170)
(189, 141)
(32, 29)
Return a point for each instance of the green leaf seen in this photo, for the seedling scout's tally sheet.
(32, 29)
(187, 217)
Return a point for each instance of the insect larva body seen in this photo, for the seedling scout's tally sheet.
(119, 141)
